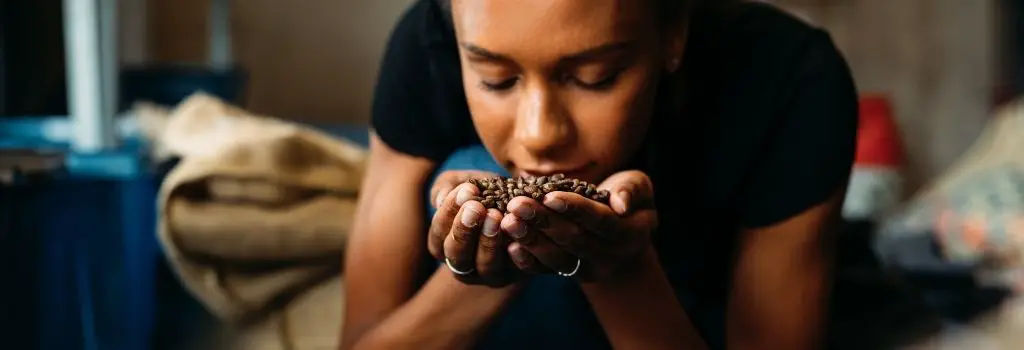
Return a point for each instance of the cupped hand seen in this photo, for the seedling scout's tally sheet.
(467, 236)
(582, 238)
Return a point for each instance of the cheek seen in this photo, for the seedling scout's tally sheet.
(613, 124)
(493, 115)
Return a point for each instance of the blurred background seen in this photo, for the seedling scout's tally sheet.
(79, 181)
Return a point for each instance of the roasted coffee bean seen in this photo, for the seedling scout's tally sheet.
(498, 191)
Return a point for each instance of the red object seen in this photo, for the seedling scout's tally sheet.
(878, 138)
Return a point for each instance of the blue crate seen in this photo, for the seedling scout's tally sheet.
(82, 245)
(81, 242)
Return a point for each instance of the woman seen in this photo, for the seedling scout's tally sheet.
(725, 134)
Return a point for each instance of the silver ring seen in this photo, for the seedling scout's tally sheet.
(456, 271)
(574, 270)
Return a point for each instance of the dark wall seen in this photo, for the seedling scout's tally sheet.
(31, 58)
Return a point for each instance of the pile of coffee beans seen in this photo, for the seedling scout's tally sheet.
(497, 191)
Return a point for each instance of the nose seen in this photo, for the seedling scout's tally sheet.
(542, 123)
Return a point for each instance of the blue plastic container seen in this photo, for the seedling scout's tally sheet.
(81, 244)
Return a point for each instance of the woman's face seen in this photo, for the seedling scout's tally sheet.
(562, 85)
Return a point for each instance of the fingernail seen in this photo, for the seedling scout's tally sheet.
(625, 197)
(490, 227)
(518, 230)
(518, 255)
(523, 211)
(464, 196)
(470, 217)
(556, 204)
(439, 200)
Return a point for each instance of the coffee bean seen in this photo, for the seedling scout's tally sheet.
(498, 191)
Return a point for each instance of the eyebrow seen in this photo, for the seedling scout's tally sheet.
(583, 55)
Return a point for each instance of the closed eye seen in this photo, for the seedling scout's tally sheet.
(499, 86)
(603, 84)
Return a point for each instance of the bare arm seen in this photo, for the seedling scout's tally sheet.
(384, 310)
(641, 311)
(780, 285)
(778, 301)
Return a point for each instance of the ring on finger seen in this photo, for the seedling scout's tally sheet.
(574, 270)
(448, 262)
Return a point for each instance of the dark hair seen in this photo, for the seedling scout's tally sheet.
(668, 10)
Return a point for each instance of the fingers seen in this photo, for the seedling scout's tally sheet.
(441, 224)
(460, 246)
(562, 232)
(592, 216)
(492, 260)
(629, 190)
(449, 180)
(526, 225)
(524, 260)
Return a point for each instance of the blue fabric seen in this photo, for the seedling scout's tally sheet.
(552, 312)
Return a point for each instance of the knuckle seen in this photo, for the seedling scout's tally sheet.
(450, 206)
(485, 271)
(528, 238)
(461, 234)
(539, 222)
(489, 245)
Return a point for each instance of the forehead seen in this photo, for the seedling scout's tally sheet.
(536, 27)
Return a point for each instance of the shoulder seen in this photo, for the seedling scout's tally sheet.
(756, 42)
(753, 63)
(418, 105)
(751, 26)
(777, 109)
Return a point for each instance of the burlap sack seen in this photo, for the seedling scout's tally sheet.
(254, 220)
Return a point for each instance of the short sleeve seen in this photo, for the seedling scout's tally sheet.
(810, 152)
(401, 113)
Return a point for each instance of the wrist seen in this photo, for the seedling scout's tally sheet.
(497, 296)
(637, 270)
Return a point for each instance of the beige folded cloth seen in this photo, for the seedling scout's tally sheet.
(254, 219)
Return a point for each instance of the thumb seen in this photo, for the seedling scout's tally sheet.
(629, 190)
(449, 180)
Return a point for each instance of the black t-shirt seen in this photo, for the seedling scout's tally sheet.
(761, 127)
